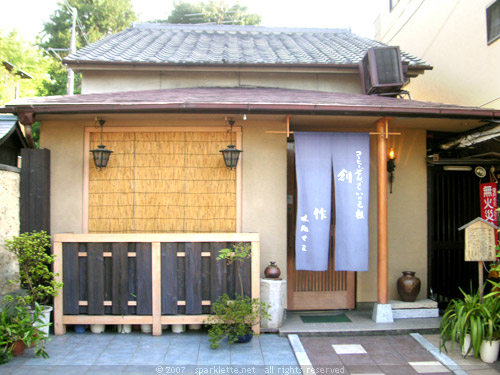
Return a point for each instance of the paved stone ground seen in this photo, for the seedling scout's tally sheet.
(371, 355)
(137, 353)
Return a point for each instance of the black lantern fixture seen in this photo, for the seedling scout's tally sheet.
(100, 154)
(391, 165)
(231, 154)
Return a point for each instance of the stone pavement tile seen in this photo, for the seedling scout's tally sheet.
(356, 359)
(215, 357)
(52, 370)
(105, 369)
(397, 370)
(490, 371)
(349, 349)
(322, 359)
(389, 357)
(145, 370)
(429, 367)
(364, 369)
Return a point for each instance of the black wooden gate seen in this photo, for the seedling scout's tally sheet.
(35, 190)
(453, 200)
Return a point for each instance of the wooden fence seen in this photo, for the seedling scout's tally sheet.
(147, 278)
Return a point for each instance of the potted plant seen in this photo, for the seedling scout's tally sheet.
(463, 317)
(17, 330)
(234, 317)
(31, 250)
(490, 344)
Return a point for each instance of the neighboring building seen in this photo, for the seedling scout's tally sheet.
(459, 38)
(167, 92)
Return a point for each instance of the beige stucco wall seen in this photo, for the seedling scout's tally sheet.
(112, 81)
(263, 177)
(407, 216)
(450, 35)
(264, 191)
(9, 226)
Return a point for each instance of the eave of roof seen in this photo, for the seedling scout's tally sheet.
(249, 100)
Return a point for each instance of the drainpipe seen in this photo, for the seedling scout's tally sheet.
(27, 119)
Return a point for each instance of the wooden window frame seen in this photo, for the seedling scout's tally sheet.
(121, 129)
(491, 39)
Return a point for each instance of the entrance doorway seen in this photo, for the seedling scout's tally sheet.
(313, 290)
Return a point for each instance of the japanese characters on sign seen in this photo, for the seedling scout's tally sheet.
(489, 202)
(347, 176)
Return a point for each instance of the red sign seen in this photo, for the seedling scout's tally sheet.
(489, 202)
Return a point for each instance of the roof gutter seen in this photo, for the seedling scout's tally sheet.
(24, 112)
(27, 119)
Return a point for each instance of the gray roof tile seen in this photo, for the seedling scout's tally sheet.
(223, 44)
(7, 123)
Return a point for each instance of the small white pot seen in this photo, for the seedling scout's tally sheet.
(489, 351)
(124, 328)
(467, 346)
(146, 328)
(178, 328)
(97, 328)
(45, 320)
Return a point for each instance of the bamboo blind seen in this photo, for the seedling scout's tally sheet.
(162, 182)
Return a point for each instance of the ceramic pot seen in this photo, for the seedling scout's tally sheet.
(272, 271)
(178, 328)
(408, 286)
(146, 328)
(18, 348)
(466, 346)
(489, 351)
(124, 328)
(44, 320)
(244, 338)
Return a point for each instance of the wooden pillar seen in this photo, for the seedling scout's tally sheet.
(382, 240)
(59, 327)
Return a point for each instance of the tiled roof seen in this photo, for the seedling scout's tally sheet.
(7, 125)
(229, 45)
(249, 100)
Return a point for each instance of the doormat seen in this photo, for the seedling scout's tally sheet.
(340, 318)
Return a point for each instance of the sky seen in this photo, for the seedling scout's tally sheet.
(27, 16)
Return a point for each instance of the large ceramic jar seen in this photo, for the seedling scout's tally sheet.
(408, 286)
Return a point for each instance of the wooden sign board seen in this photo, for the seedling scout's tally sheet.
(480, 242)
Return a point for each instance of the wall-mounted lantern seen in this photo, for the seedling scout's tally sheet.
(391, 166)
(100, 154)
(231, 154)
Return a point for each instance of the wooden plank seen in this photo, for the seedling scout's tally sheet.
(107, 319)
(120, 293)
(193, 278)
(95, 278)
(132, 285)
(205, 276)
(169, 278)
(70, 279)
(59, 327)
(218, 281)
(255, 258)
(144, 279)
(181, 278)
(157, 237)
(156, 280)
(245, 273)
(82, 267)
(108, 277)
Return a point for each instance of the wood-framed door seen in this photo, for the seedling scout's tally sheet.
(313, 290)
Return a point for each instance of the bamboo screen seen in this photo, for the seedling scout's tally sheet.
(162, 182)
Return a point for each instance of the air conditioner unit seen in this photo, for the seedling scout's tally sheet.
(382, 71)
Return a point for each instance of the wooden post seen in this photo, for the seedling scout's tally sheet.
(382, 241)
(481, 279)
(255, 278)
(59, 327)
(156, 284)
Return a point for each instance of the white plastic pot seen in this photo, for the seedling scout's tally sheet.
(44, 320)
(467, 346)
(489, 351)
(146, 328)
(124, 328)
(97, 328)
(178, 328)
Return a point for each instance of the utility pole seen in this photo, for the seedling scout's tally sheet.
(72, 49)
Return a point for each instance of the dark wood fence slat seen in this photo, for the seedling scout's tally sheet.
(95, 279)
(246, 272)
(70, 279)
(143, 279)
(169, 278)
(120, 292)
(193, 279)
(218, 282)
(82, 282)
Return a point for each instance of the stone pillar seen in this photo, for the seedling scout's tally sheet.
(273, 292)
(9, 225)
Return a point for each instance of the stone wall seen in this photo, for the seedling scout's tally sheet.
(9, 225)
